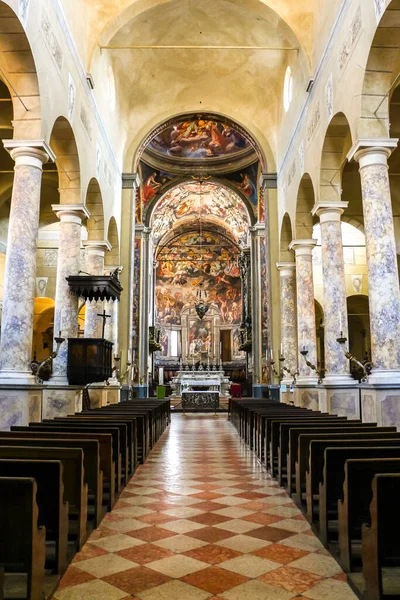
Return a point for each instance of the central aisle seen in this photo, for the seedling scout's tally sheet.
(201, 519)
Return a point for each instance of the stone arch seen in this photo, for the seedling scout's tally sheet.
(381, 74)
(94, 204)
(113, 257)
(305, 203)
(68, 176)
(337, 143)
(286, 237)
(18, 71)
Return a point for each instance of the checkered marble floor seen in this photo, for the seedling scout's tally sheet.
(201, 519)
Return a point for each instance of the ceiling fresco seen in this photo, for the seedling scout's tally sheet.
(208, 202)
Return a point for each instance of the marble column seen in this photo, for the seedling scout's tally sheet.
(20, 269)
(383, 277)
(256, 232)
(306, 332)
(335, 305)
(287, 272)
(95, 250)
(68, 263)
(111, 328)
(131, 181)
(144, 308)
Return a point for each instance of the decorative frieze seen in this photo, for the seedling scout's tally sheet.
(71, 96)
(351, 39)
(301, 157)
(85, 120)
(292, 174)
(329, 97)
(379, 6)
(314, 123)
(50, 258)
(51, 41)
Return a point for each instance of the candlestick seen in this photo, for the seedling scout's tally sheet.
(340, 322)
(281, 349)
(272, 354)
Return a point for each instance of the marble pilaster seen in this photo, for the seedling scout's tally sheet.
(95, 251)
(131, 181)
(257, 232)
(68, 263)
(306, 331)
(143, 365)
(287, 272)
(383, 278)
(20, 269)
(334, 283)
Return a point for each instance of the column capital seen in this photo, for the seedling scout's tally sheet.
(97, 246)
(38, 149)
(286, 269)
(130, 181)
(329, 211)
(257, 230)
(73, 213)
(269, 181)
(378, 147)
(303, 247)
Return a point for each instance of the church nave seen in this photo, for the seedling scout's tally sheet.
(202, 519)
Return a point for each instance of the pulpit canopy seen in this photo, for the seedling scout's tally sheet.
(95, 287)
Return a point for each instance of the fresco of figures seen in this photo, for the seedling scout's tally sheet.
(192, 200)
(199, 139)
(193, 258)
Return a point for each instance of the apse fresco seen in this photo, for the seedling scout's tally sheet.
(207, 200)
(200, 337)
(194, 258)
(199, 139)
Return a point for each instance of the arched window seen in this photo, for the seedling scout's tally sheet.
(288, 89)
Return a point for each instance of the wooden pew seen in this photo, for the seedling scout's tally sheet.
(97, 461)
(22, 542)
(277, 440)
(112, 459)
(53, 511)
(299, 445)
(287, 449)
(75, 489)
(283, 419)
(331, 486)
(91, 459)
(353, 508)
(303, 452)
(143, 422)
(314, 473)
(380, 547)
(139, 421)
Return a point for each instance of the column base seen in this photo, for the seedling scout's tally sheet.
(20, 405)
(306, 381)
(382, 376)
(140, 391)
(8, 377)
(57, 380)
(339, 379)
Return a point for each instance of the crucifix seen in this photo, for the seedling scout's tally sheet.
(104, 316)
